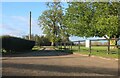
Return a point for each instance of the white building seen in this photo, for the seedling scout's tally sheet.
(87, 43)
(118, 42)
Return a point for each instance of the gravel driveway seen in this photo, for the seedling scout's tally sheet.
(53, 63)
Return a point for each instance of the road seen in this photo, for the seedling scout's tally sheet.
(54, 63)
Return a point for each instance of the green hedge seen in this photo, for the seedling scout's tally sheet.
(16, 44)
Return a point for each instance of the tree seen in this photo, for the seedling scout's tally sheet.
(106, 18)
(92, 19)
(27, 37)
(50, 21)
(40, 40)
(78, 19)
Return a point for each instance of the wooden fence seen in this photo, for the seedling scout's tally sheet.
(70, 44)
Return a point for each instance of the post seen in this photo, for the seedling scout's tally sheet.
(90, 48)
(108, 46)
(118, 42)
(118, 46)
(64, 45)
(71, 45)
(79, 46)
(30, 27)
(60, 46)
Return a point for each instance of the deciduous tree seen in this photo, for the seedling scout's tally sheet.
(93, 19)
(50, 21)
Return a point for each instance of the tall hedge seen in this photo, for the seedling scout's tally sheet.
(16, 44)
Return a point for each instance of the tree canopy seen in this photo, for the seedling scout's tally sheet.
(82, 19)
(92, 19)
(51, 22)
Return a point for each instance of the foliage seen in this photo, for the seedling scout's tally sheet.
(106, 17)
(51, 22)
(40, 40)
(92, 19)
(10, 43)
(44, 41)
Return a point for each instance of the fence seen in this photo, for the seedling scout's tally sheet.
(108, 45)
(80, 43)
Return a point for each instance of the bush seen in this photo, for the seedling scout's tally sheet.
(16, 44)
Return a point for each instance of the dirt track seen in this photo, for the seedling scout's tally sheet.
(52, 63)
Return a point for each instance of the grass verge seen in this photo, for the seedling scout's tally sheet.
(96, 51)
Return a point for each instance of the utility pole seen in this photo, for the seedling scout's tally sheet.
(30, 27)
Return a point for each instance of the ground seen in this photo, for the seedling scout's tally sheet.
(53, 63)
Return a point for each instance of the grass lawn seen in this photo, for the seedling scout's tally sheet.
(36, 48)
(97, 51)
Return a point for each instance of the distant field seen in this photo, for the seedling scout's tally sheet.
(97, 51)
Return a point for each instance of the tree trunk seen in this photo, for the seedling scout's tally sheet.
(52, 44)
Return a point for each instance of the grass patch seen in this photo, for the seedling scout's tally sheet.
(36, 48)
(97, 51)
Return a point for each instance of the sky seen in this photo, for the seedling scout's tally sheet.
(15, 18)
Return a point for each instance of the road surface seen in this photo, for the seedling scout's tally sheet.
(53, 63)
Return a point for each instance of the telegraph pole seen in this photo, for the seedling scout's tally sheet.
(30, 27)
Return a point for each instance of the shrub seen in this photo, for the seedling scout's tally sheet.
(16, 44)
